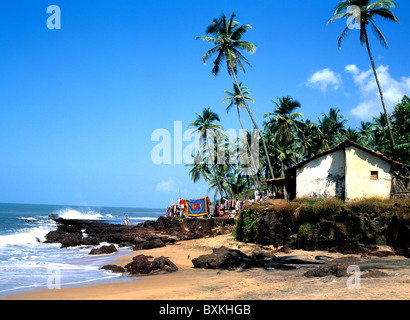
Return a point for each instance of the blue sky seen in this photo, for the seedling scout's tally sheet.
(78, 105)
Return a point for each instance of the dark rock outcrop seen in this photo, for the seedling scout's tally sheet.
(166, 265)
(142, 265)
(104, 250)
(336, 269)
(150, 244)
(150, 234)
(340, 270)
(114, 268)
(223, 258)
(329, 225)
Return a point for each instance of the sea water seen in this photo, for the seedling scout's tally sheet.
(26, 263)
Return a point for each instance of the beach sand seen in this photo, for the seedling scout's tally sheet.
(255, 284)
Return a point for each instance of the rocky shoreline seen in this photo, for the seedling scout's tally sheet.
(167, 230)
(147, 235)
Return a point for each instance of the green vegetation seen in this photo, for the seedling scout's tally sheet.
(328, 218)
(287, 138)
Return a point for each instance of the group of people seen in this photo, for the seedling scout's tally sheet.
(227, 208)
(176, 210)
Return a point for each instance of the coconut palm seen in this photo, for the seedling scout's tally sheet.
(227, 38)
(331, 129)
(354, 136)
(206, 127)
(199, 169)
(285, 119)
(308, 136)
(236, 99)
(364, 13)
(366, 130)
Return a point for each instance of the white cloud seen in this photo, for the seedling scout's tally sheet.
(169, 185)
(393, 90)
(325, 78)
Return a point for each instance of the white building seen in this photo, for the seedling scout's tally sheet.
(349, 172)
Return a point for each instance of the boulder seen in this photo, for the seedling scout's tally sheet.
(114, 268)
(141, 265)
(337, 269)
(223, 258)
(104, 250)
(166, 265)
(150, 244)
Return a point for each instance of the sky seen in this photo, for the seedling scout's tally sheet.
(79, 104)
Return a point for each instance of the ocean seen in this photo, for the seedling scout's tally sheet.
(26, 263)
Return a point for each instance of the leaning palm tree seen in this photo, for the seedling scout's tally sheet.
(363, 13)
(227, 38)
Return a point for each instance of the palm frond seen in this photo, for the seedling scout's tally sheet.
(379, 35)
(384, 13)
(382, 4)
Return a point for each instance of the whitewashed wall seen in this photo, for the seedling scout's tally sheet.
(359, 164)
(323, 177)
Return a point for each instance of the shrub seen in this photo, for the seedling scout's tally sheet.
(247, 224)
(305, 231)
(327, 208)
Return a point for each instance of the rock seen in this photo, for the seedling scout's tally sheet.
(141, 265)
(114, 268)
(223, 258)
(284, 249)
(125, 244)
(90, 241)
(138, 240)
(338, 270)
(104, 250)
(150, 244)
(70, 241)
(166, 265)
(347, 259)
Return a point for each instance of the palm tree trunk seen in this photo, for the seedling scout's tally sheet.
(254, 122)
(381, 95)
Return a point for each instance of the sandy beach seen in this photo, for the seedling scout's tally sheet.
(189, 283)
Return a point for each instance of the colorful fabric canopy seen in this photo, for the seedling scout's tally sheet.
(197, 208)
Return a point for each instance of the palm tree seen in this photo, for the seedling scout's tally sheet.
(286, 122)
(206, 127)
(354, 136)
(308, 136)
(366, 132)
(235, 98)
(227, 36)
(199, 168)
(364, 13)
(205, 122)
(331, 129)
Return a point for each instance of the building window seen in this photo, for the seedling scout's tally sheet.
(374, 175)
